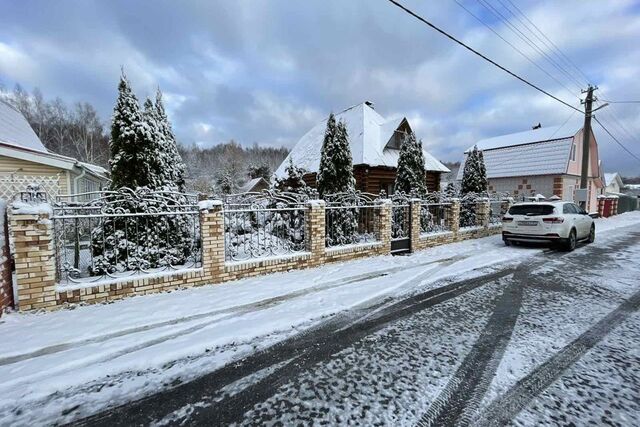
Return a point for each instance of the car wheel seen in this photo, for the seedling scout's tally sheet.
(507, 242)
(570, 243)
(592, 234)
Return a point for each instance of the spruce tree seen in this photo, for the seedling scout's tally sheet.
(474, 175)
(293, 181)
(175, 172)
(410, 177)
(128, 153)
(474, 181)
(335, 174)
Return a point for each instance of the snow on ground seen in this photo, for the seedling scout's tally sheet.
(71, 363)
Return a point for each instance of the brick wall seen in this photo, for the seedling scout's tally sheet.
(36, 268)
(6, 285)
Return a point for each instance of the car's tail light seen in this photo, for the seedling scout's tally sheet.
(553, 220)
(507, 219)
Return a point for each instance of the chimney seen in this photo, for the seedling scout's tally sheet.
(369, 104)
(538, 126)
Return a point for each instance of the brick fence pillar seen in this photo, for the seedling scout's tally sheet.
(452, 219)
(316, 231)
(415, 204)
(483, 212)
(383, 225)
(34, 256)
(614, 206)
(212, 229)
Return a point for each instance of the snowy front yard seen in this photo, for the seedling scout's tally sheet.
(69, 364)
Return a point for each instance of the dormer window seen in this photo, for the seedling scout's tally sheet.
(396, 139)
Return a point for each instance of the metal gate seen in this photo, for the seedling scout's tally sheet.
(400, 227)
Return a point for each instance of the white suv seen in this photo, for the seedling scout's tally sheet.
(555, 222)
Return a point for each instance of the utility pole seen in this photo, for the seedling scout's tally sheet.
(586, 137)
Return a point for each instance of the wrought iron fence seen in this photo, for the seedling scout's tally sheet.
(496, 211)
(351, 218)
(433, 218)
(123, 233)
(350, 225)
(264, 224)
(258, 232)
(433, 213)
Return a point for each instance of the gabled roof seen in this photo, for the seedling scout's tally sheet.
(613, 176)
(544, 158)
(15, 130)
(369, 134)
(542, 151)
(526, 137)
(252, 183)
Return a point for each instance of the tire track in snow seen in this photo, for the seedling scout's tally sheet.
(304, 350)
(232, 311)
(458, 401)
(505, 408)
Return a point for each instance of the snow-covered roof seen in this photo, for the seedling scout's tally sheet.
(251, 184)
(610, 177)
(543, 158)
(369, 134)
(15, 130)
(526, 137)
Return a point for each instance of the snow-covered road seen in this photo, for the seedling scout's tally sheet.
(70, 364)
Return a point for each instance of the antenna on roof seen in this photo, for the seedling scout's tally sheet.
(538, 126)
(369, 104)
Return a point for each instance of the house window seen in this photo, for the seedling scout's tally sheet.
(573, 152)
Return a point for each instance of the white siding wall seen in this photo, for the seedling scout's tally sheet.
(517, 186)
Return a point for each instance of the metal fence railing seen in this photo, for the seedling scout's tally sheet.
(433, 218)
(350, 225)
(120, 234)
(261, 232)
(496, 212)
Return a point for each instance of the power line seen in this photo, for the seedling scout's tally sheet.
(621, 102)
(514, 29)
(512, 46)
(616, 139)
(557, 49)
(449, 36)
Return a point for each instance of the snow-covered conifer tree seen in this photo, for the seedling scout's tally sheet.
(410, 177)
(293, 181)
(129, 153)
(474, 181)
(335, 174)
(175, 167)
(474, 175)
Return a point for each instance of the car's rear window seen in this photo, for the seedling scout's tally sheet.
(531, 210)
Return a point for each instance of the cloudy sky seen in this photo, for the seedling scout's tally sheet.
(266, 71)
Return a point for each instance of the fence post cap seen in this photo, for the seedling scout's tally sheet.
(383, 202)
(316, 203)
(415, 200)
(207, 205)
(23, 208)
(455, 199)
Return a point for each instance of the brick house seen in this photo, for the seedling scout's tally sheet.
(545, 161)
(375, 146)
